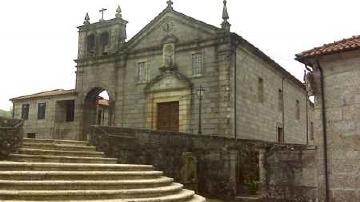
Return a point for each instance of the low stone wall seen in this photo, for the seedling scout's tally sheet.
(289, 173)
(11, 135)
(213, 166)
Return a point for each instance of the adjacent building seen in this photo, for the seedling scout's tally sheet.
(334, 72)
(179, 74)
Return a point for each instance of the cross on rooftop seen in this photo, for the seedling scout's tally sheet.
(102, 13)
(169, 3)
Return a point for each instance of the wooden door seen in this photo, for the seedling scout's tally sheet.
(168, 116)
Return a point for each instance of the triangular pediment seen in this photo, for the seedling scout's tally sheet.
(168, 81)
(175, 24)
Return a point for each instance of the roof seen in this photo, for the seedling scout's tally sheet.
(266, 58)
(335, 47)
(50, 93)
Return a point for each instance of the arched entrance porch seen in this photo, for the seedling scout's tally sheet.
(98, 109)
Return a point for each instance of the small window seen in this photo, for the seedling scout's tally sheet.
(312, 131)
(70, 108)
(197, 64)
(31, 135)
(297, 109)
(260, 90)
(41, 111)
(25, 111)
(280, 135)
(280, 100)
(142, 72)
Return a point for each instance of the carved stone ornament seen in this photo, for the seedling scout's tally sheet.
(312, 82)
(169, 55)
(168, 26)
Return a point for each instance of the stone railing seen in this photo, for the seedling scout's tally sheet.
(110, 140)
(11, 135)
(215, 166)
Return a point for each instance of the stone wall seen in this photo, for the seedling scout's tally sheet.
(214, 166)
(11, 135)
(260, 119)
(342, 106)
(289, 173)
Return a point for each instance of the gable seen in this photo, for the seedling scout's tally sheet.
(168, 81)
(169, 22)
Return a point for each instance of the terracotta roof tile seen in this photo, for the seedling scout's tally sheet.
(45, 94)
(337, 46)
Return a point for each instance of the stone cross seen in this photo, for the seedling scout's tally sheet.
(169, 3)
(102, 13)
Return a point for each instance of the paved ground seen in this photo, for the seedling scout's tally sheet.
(214, 200)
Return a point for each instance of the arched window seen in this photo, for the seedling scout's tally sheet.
(90, 44)
(104, 41)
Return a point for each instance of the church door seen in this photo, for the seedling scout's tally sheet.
(168, 116)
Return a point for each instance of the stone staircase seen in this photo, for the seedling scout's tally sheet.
(61, 170)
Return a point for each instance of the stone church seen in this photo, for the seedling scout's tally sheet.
(176, 74)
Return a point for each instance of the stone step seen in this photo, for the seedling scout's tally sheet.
(60, 159)
(182, 196)
(63, 147)
(85, 184)
(89, 194)
(78, 175)
(36, 166)
(54, 141)
(197, 198)
(253, 198)
(66, 170)
(31, 151)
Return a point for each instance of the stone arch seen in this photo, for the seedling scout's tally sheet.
(97, 110)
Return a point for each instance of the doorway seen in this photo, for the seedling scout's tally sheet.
(168, 116)
(98, 110)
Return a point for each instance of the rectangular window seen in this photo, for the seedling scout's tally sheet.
(297, 109)
(197, 64)
(41, 111)
(260, 90)
(280, 135)
(312, 131)
(31, 135)
(25, 111)
(142, 72)
(281, 100)
(70, 108)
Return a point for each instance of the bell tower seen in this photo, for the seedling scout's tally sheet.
(101, 38)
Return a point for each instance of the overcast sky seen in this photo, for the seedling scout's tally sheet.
(38, 38)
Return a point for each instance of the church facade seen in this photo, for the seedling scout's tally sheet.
(183, 75)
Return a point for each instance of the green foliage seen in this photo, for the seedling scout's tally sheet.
(252, 186)
(4, 113)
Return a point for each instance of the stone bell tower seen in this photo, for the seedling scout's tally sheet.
(101, 38)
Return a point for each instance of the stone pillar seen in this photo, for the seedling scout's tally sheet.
(226, 69)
